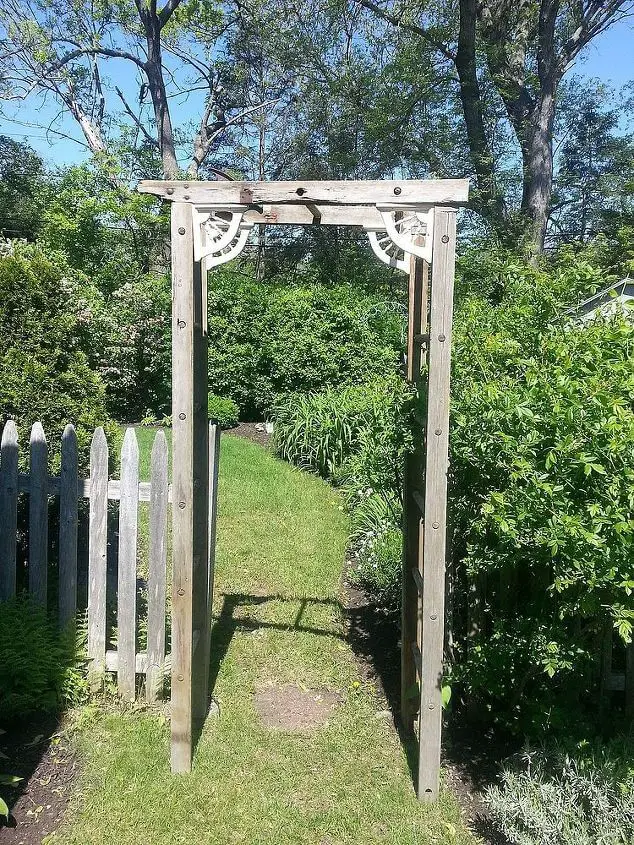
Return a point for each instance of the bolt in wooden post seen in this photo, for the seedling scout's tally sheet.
(190, 485)
(435, 516)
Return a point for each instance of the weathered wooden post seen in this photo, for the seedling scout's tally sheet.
(190, 623)
(435, 503)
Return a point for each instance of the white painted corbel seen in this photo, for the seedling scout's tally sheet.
(386, 251)
(405, 231)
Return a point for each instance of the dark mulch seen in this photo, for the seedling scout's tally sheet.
(252, 431)
(42, 755)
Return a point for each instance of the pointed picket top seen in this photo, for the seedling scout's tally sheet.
(8, 509)
(68, 521)
(130, 448)
(38, 515)
(159, 447)
(10, 434)
(99, 444)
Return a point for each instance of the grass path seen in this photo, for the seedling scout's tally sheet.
(281, 539)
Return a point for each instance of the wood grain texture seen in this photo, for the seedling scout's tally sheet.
(201, 620)
(126, 581)
(433, 192)
(38, 516)
(97, 551)
(412, 475)
(157, 568)
(8, 509)
(182, 484)
(435, 517)
(68, 522)
(114, 488)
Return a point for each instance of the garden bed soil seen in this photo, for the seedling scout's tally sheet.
(42, 755)
(251, 431)
(289, 708)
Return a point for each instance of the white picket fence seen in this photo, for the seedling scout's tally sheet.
(124, 660)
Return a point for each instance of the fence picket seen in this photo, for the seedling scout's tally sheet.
(8, 509)
(68, 496)
(126, 593)
(97, 551)
(158, 567)
(38, 516)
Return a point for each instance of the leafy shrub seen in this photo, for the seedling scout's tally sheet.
(542, 472)
(581, 798)
(222, 411)
(274, 339)
(44, 370)
(37, 664)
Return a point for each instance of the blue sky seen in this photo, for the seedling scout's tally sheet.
(610, 57)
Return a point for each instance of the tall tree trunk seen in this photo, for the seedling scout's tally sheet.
(537, 158)
(487, 200)
(156, 84)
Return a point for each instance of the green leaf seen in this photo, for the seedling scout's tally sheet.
(445, 696)
(9, 780)
(4, 810)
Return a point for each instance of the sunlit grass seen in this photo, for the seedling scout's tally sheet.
(281, 538)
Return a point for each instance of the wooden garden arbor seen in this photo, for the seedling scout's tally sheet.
(411, 226)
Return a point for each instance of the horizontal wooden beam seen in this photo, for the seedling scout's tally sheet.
(114, 488)
(317, 215)
(401, 191)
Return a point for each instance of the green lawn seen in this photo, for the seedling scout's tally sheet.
(281, 539)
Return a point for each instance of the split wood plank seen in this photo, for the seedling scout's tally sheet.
(97, 551)
(182, 483)
(126, 582)
(38, 516)
(8, 509)
(201, 620)
(412, 525)
(157, 568)
(401, 192)
(435, 516)
(214, 465)
(68, 522)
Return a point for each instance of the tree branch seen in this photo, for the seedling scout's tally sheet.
(167, 11)
(412, 27)
(136, 120)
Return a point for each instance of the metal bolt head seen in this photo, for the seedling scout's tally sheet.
(181, 592)
(170, 190)
(397, 191)
(181, 230)
(186, 197)
(430, 706)
(181, 505)
(438, 432)
(442, 338)
(181, 324)
(435, 525)
(182, 416)
(433, 617)
(180, 678)
(445, 239)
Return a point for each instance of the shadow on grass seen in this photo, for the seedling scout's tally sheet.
(372, 637)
